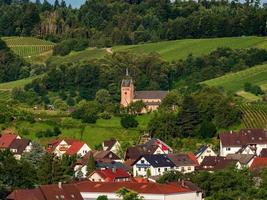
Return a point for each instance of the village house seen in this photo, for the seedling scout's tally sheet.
(151, 99)
(102, 158)
(69, 147)
(150, 191)
(111, 145)
(6, 140)
(258, 163)
(215, 163)
(243, 160)
(246, 141)
(109, 175)
(204, 151)
(152, 165)
(48, 192)
(184, 163)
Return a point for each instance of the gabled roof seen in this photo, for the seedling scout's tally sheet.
(242, 158)
(110, 175)
(75, 148)
(6, 140)
(243, 137)
(154, 94)
(157, 160)
(109, 143)
(158, 142)
(215, 163)
(134, 153)
(48, 192)
(141, 188)
(20, 145)
(112, 164)
(181, 160)
(258, 163)
(201, 150)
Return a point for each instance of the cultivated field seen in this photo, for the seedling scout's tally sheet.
(234, 82)
(254, 115)
(32, 49)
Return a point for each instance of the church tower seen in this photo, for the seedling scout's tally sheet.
(127, 90)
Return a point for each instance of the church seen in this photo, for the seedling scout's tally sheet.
(152, 99)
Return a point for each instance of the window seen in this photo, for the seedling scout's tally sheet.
(125, 93)
(142, 161)
(165, 169)
(182, 169)
(208, 151)
(158, 169)
(139, 169)
(189, 168)
(228, 149)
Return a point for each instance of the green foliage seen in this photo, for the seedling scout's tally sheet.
(91, 165)
(171, 176)
(254, 89)
(207, 130)
(135, 107)
(128, 121)
(66, 46)
(87, 111)
(103, 197)
(126, 194)
(172, 101)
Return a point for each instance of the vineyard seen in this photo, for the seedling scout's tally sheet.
(254, 115)
(31, 49)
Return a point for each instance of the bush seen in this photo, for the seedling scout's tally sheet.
(66, 46)
(254, 89)
(105, 115)
(129, 121)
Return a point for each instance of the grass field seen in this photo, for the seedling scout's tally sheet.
(31, 49)
(234, 82)
(8, 86)
(179, 49)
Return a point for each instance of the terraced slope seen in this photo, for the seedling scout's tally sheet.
(32, 49)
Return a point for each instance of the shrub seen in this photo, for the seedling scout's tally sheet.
(129, 121)
(105, 115)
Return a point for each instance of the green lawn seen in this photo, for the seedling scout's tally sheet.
(19, 83)
(179, 49)
(234, 82)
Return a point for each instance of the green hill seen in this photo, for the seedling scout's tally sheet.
(234, 82)
(179, 49)
(31, 49)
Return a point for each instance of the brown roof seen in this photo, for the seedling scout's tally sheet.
(126, 82)
(150, 94)
(134, 153)
(263, 152)
(6, 140)
(48, 192)
(243, 137)
(181, 160)
(20, 145)
(242, 158)
(109, 143)
(215, 163)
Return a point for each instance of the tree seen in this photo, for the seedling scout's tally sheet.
(91, 165)
(128, 121)
(35, 156)
(135, 107)
(172, 101)
(126, 194)
(207, 129)
(87, 111)
(103, 197)
(189, 117)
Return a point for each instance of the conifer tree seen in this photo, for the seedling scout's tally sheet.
(91, 165)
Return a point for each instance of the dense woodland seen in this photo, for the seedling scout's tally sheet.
(108, 22)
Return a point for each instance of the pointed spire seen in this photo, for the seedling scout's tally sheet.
(127, 72)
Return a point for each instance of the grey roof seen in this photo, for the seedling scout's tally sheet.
(111, 165)
(126, 82)
(150, 94)
(201, 150)
(242, 158)
(20, 145)
(159, 160)
(181, 160)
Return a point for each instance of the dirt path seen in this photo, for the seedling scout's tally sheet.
(109, 50)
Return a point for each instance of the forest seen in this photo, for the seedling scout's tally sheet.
(109, 22)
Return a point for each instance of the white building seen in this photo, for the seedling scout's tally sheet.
(152, 165)
(111, 145)
(204, 151)
(251, 140)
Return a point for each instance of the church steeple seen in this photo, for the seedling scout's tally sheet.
(127, 90)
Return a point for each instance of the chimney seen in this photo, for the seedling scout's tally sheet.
(60, 185)
(114, 169)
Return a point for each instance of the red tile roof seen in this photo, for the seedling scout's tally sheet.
(193, 158)
(75, 147)
(6, 140)
(258, 163)
(142, 188)
(110, 175)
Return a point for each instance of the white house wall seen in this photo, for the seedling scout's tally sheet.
(84, 150)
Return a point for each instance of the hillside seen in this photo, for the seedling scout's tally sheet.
(234, 82)
(31, 49)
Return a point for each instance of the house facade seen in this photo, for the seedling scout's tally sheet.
(111, 145)
(204, 151)
(109, 175)
(183, 163)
